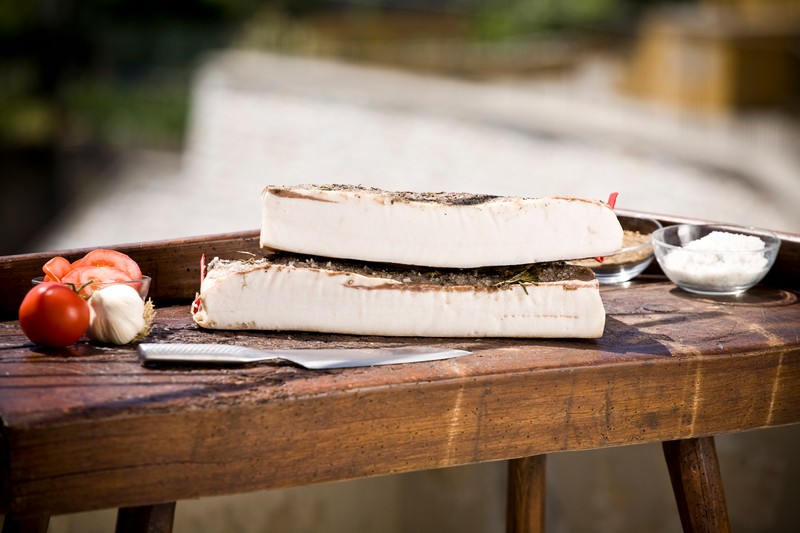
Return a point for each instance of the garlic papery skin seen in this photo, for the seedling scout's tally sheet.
(116, 315)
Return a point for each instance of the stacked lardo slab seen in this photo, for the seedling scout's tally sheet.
(346, 259)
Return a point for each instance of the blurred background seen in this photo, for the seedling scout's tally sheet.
(133, 120)
(687, 108)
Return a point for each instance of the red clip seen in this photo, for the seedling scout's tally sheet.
(196, 305)
(612, 201)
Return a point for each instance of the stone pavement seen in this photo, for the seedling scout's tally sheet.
(260, 119)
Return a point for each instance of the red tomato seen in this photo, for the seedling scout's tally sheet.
(56, 268)
(110, 258)
(52, 315)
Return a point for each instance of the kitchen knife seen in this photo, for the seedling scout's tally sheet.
(309, 358)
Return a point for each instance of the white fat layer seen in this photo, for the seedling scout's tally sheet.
(292, 299)
(368, 226)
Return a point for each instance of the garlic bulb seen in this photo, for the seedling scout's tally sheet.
(117, 315)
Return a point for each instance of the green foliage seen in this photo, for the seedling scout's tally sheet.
(15, 16)
(93, 69)
(98, 63)
(147, 113)
(504, 20)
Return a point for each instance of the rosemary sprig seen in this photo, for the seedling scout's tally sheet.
(531, 274)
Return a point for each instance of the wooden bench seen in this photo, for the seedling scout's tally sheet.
(88, 428)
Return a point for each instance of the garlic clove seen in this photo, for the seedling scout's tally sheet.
(118, 315)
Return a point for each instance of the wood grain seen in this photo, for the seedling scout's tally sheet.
(526, 497)
(81, 424)
(697, 485)
(87, 427)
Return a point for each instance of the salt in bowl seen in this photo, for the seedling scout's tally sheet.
(715, 260)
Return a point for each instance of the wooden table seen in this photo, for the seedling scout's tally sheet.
(87, 427)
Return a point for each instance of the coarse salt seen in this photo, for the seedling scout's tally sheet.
(719, 259)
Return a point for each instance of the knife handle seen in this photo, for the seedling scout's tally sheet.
(200, 353)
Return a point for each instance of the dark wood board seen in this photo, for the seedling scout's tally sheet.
(669, 366)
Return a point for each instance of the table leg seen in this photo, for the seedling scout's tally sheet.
(146, 519)
(27, 525)
(697, 484)
(526, 494)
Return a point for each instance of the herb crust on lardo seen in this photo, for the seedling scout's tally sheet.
(355, 260)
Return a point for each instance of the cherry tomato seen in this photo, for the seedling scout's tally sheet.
(52, 315)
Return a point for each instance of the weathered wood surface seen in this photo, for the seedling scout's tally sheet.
(87, 427)
(697, 485)
(526, 494)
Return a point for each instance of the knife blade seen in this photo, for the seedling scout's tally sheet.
(322, 358)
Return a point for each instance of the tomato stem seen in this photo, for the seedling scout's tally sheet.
(86, 285)
(79, 289)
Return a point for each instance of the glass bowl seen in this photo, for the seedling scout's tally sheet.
(728, 261)
(635, 256)
(142, 286)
